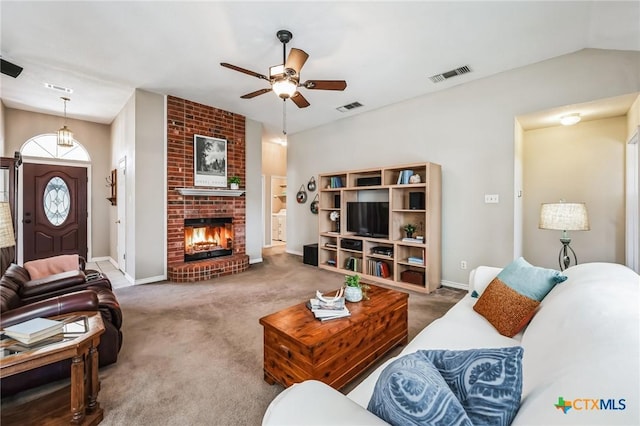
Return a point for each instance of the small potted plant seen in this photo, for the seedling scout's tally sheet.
(353, 288)
(234, 182)
(409, 229)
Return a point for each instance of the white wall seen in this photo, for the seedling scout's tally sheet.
(580, 163)
(469, 130)
(253, 196)
(150, 168)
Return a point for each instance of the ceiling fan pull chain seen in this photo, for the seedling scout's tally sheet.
(284, 117)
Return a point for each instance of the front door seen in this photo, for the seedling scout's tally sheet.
(55, 210)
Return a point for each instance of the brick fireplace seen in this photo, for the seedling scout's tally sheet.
(184, 120)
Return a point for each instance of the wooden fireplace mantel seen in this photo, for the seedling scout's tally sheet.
(206, 192)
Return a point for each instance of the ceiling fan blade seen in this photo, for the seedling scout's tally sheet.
(325, 84)
(300, 100)
(296, 59)
(246, 71)
(256, 93)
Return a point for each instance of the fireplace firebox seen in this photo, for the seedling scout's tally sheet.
(207, 237)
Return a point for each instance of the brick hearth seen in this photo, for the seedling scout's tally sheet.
(184, 120)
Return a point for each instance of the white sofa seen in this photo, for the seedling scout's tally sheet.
(583, 344)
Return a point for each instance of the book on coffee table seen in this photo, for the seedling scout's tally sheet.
(34, 330)
(323, 311)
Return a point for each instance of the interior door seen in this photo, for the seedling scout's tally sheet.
(120, 221)
(55, 210)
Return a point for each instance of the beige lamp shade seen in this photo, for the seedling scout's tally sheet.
(564, 216)
(7, 237)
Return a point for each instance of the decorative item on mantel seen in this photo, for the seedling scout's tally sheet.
(234, 182)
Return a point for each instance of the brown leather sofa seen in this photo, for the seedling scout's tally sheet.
(22, 299)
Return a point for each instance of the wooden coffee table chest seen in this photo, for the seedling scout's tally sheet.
(299, 347)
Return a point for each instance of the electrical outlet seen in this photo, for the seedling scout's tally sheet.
(491, 198)
(463, 264)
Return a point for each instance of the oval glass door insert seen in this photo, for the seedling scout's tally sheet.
(57, 202)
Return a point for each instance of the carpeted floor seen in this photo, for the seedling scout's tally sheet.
(192, 353)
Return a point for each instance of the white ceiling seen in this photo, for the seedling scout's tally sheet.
(384, 50)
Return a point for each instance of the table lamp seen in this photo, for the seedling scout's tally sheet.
(564, 217)
(7, 237)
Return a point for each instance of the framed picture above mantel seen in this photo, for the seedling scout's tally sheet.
(210, 161)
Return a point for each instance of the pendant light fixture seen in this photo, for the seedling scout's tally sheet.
(65, 135)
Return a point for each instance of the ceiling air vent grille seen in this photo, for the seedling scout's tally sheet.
(349, 107)
(446, 75)
(58, 88)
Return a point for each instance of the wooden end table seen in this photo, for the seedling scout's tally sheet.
(299, 347)
(52, 409)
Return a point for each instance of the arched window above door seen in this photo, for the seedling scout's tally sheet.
(45, 146)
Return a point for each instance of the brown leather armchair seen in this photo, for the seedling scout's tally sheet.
(22, 299)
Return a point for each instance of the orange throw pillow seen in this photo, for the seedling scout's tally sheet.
(506, 309)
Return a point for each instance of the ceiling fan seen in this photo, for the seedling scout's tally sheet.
(285, 78)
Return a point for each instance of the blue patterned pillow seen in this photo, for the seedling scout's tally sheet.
(411, 391)
(528, 280)
(487, 382)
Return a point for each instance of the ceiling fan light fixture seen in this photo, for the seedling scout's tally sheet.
(64, 134)
(285, 88)
(569, 120)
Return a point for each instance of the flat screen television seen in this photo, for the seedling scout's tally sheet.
(368, 218)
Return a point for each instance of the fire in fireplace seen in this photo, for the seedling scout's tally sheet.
(207, 237)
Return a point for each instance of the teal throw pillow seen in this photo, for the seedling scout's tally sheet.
(487, 382)
(411, 391)
(528, 280)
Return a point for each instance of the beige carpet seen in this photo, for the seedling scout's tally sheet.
(192, 353)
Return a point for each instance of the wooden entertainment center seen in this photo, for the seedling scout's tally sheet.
(388, 258)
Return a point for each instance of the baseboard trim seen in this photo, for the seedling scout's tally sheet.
(297, 253)
(454, 284)
(147, 280)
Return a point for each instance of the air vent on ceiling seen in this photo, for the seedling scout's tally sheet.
(58, 88)
(349, 107)
(446, 75)
(10, 69)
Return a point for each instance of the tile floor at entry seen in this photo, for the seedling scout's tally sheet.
(116, 277)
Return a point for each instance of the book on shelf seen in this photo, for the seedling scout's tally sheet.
(353, 264)
(34, 330)
(378, 268)
(403, 177)
(415, 260)
(419, 240)
(335, 182)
